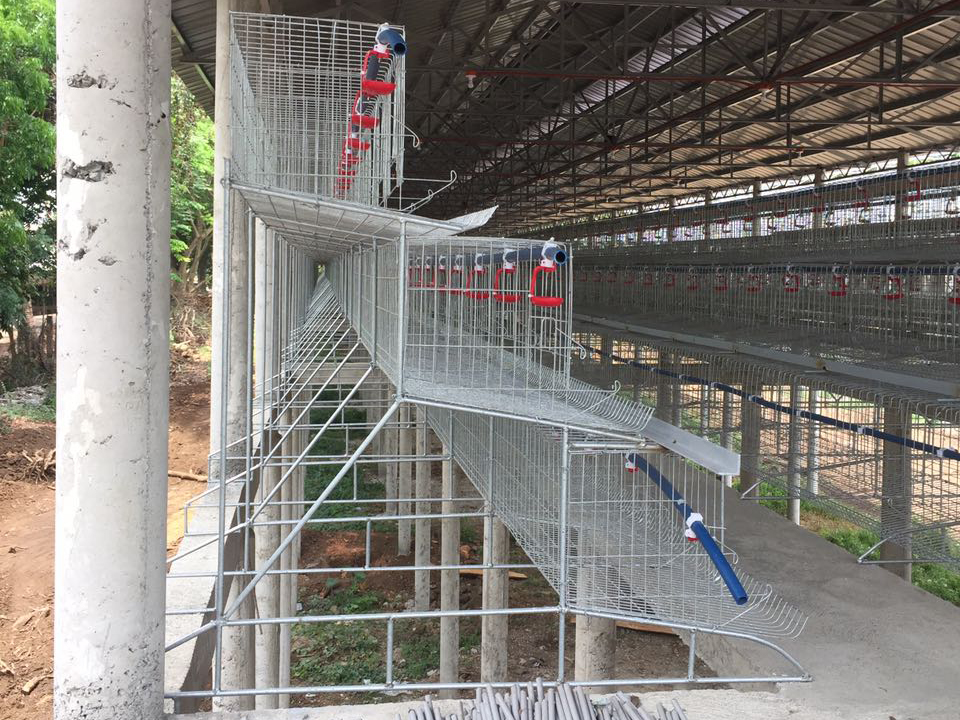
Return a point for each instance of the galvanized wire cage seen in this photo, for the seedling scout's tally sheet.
(476, 333)
(854, 213)
(604, 533)
(883, 458)
(316, 107)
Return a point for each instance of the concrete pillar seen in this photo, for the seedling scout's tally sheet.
(895, 508)
(267, 637)
(113, 265)
(664, 410)
(704, 245)
(494, 651)
(813, 444)
(793, 458)
(676, 402)
(606, 347)
(755, 226)
(238, 652)
(821, 203)
(421, 557)
(391, 449)
(286, 594)
(232, 329)
(267, 640)
(705, 400)
(595, 654)
(672, 220)
(405, 485)
(750, 441)
(726, 421)
(449, 579)
(900, 197)
(237, 642)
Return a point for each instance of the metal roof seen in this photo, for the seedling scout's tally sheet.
(583, 106)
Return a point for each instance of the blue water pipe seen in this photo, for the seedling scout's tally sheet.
(940, 452)
(393, 38)
(694, 521)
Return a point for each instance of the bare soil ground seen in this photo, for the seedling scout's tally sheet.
(26, 540)
(533, 639)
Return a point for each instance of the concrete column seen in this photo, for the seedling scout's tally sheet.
(818, 214)
(606, 347)
(664, 410)
(238, 652)
(895, 509)
(900, 196)
(421, 592)
(113, 265)
(726, 421)
(267, 637)
(750, 441)
(705, 399)
(381, 442)
(755, 228)
(405, 486)
(793, 458)
(813, 444)
(676, 402)
(494, 651)
(267, 592)
(672, 221)
(391, 449)
(707, 220)
(287, 597)
(233, 329)
(449, 579)
(595, 654)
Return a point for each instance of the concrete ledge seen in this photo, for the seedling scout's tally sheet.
(875, 645)
(188, 666)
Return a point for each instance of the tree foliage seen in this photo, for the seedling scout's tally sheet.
(191, 204)
(27, 151)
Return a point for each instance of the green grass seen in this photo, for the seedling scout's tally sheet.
(340, 653)
(46, 412)
(352, 653)
(937, 579)
(468, 534)
(318, 477)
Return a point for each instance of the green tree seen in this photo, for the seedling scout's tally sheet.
(27, 157)
(191, 206)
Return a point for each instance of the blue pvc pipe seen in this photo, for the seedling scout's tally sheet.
(393, 38)
(940, 452)
(730, 578)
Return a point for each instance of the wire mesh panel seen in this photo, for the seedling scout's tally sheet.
(882, 458)
(485, 325)
(843, 214)
(316, 106)
(887, 305)
(606, 535)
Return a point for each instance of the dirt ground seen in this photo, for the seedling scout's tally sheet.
(26, 568)
(26, 540)
(533, 639)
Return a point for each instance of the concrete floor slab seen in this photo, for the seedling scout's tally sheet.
(876, 646)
